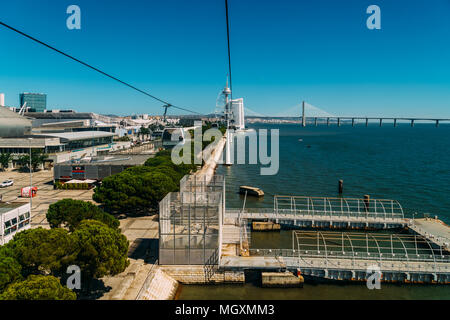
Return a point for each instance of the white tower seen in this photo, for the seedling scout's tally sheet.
(227, 92)
(238, 113)
(2, 99)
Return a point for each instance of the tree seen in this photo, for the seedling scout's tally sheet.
(24, 161)
(143, 131)
(69, 213)
(37, 158)
(101, 250)
(10, 269)
(38, 287)
(163, 159)
(43, 251)
(134, 190)
(5, 158)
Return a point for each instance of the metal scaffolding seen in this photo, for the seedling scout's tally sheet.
(338, 207)
(372, 246)
(190, 223)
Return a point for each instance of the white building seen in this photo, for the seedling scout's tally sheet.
(2, 99)
(237, 109)
(14, 217)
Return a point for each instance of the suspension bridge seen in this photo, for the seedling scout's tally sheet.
(322, 117)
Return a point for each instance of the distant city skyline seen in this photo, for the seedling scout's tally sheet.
(283, 52)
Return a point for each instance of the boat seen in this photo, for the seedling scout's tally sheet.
(251, 191)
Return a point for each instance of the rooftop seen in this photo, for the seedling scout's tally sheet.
(8, 206)
(131, 160)
(60, 115)
(78, 135)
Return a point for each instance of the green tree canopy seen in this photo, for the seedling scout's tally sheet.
(37, 158)
(101, 250)
(134, 190)
(5, 158)
(69, 213)
(38, 287)
(43, 251)
(10, 269)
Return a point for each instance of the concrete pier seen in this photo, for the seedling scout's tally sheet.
(281, 280)
(190, 274)
(265, 226)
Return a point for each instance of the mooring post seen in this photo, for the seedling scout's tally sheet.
(341, 186)
(328, 122)
(353, 122)
(367, 122)
(437, 123)
(395, 123)
(381, 122)
(339, 122)
(366, 202)
(412, 122)
(315, 121)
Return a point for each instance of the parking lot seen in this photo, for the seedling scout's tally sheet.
(46, 195)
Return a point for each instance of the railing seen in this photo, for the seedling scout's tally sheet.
(348, 255)
(146, 284)
(345, 207)
(292, 214)
(211, 264)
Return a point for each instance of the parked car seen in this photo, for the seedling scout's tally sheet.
(7, 183)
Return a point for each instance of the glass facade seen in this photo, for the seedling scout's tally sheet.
(190, 222)
(86, 143)
(36, 101)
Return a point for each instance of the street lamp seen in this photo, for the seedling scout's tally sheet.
(31, 179)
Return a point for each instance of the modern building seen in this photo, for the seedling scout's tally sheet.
(62, 146)
(2, 99)
(237, 109)
(34, 101)
(69, 121)
(14, 217)
(60, 141)
(96, 168)
(13, 125)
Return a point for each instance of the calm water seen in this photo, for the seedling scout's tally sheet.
(411, 165)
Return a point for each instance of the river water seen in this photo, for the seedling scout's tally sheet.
(411, 165)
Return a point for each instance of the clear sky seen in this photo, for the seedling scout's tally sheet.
(283, 52)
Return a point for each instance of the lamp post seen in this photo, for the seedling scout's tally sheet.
(31, 179)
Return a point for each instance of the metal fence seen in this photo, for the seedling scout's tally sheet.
(341, 207)
(190, 223)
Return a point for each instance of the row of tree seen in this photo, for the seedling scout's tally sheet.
(138, 190)
(37, 159)
(33, 265)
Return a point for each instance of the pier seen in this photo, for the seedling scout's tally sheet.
(349, 256)
(198, 232)
(326, 212)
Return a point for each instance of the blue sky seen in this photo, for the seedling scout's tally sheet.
(283, 52)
